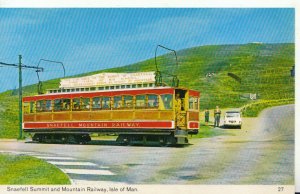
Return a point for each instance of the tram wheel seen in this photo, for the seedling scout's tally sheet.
(82, 141)
(124, 140)
(162, 142)
(72, 139)
(64, 139)
(45, 138)
(38, 138)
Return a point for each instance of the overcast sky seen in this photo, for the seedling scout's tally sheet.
(93, 39)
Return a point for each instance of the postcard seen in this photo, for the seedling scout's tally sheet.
(154, 99)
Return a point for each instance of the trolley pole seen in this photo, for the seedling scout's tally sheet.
(20, 97)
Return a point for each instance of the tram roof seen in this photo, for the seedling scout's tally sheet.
(116, 92)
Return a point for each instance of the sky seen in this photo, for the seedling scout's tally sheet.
(92, 39)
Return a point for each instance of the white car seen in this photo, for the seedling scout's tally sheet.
(233, 119)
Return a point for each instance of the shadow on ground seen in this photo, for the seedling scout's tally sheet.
(114, 143)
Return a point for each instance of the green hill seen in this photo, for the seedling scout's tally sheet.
(224, 74)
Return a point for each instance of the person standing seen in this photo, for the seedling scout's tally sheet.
(217, 114)
(206, 116)
(177, 108)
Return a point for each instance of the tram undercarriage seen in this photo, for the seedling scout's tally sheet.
(177, 137)
(163, 140)
(61, 138)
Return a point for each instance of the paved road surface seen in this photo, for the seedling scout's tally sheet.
(261, 153)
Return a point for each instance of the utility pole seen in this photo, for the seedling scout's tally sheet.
(20, 98)
(20, 66)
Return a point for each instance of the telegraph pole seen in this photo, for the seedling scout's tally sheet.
(20, 98)
(20, 66)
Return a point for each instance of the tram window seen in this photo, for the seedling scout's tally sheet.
(48, 105)
(106, 87)
(57, 104)
(133, 86)
(73, 90)
(191, 101)
(122, 86)
(127, 86)
(105, 103)
(152, 101)
(54, 91)
(128, 101)
(117, 87)
(32, 110)
(63, 90)
(77, 89)
(117, 102)
(87, 89)
(40, 105)
(82, 89)
(139, 85)
(112, 87)
(96, 103)
(92, 89)
(85, 104)
(101, 88)
(145, 85)
(76, 104)
(58, 91)
(26, 107)
(68, 90)
(150, 85)
(196, 103)
(168, 101)
(140, 101)
(66, 104)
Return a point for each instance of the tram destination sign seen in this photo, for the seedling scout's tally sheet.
(103, 79)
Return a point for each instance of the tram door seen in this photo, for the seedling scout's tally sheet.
(180, 109)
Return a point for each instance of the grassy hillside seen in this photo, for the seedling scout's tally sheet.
(263, 69)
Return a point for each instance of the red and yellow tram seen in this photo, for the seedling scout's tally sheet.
(136, 111)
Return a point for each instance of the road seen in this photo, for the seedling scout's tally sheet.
(262, 152)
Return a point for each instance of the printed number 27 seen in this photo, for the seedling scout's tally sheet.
(280, 189)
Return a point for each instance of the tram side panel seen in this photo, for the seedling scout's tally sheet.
(143, 120)
(193, 119)
(134, 121)
(108, 121)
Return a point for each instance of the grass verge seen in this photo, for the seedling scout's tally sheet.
(206, 131)
(27, 170)
(253, 109)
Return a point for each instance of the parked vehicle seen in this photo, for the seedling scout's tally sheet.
(233, 119)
